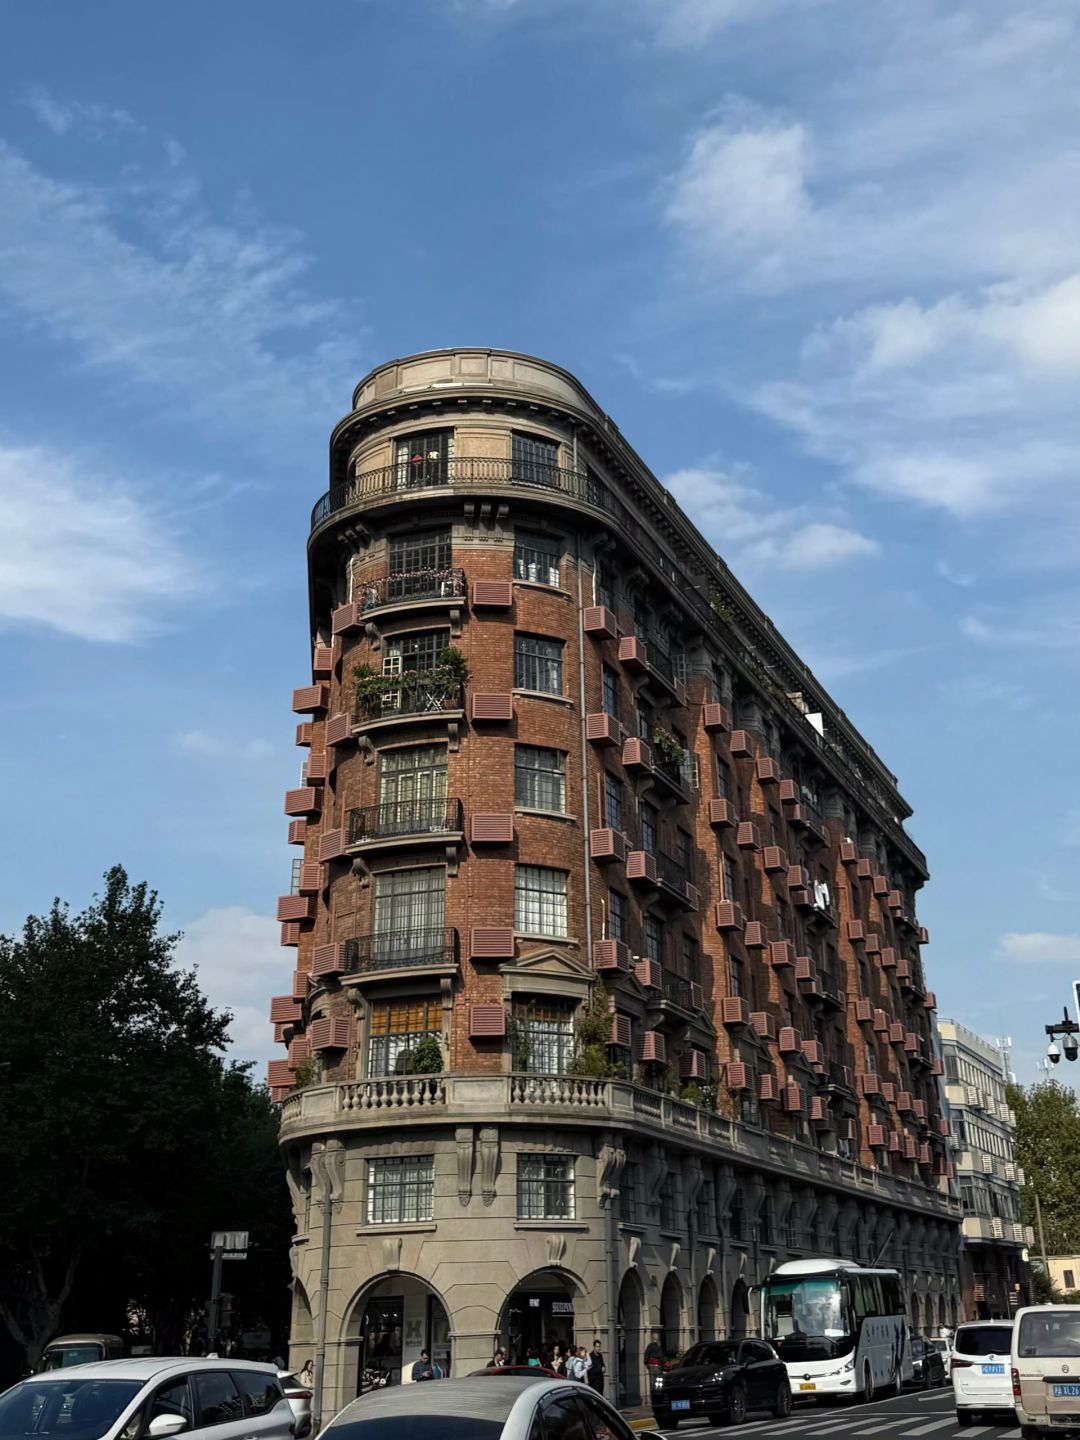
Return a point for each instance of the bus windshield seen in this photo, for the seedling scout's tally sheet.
(807, 1318)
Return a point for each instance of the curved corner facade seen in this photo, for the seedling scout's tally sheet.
(609, 992)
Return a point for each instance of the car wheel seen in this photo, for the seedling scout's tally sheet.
(717, 1419)
(736, 1406)
(782, 1408)
(964, 1417)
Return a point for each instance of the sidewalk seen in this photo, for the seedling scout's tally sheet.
(640, 1417)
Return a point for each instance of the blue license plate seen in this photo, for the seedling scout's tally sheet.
(1066, 1392)
(993, 1369)
(680, 1404)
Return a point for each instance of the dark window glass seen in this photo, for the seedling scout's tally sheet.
(216, 1398)
(419, 652)
(535, 460)
(420, 550)
(260, 1392)
(536, 558)
(648, 818)
(545, 1187)
(439, 1426)
(997, 1339)
(538, 664)
(654, 938)
(730, 890)
(723, 779)
(424, 459)
(605, 586)
(173, 1399)
(713, 1352)
(628, 1193)
(539, 778)
(617, 915)
(604, 1424)
(613, 801)
(69, 1407)
(611, 692)
(564, 1419)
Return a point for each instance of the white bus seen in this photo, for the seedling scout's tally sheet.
(839, 1327)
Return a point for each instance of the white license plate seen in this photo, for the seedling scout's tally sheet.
(1066, 1392)
(993, 1369)
(680, 1404)
(807, 1385)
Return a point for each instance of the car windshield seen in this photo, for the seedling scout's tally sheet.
(711, 1353)
(983, 1340)
(1053, 1335)
(66, 1355)
(71, 1409)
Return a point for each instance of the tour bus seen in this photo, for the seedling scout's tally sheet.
(839, 1327)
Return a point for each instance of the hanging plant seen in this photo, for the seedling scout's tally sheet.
(667, 748)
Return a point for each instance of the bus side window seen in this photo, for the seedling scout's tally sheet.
(890, 1285)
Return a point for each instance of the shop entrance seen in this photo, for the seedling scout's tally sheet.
(399, 1318)
(537, 1315)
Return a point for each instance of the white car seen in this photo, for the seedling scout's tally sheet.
(980, 1368)
(150, 1399)
(482, 1407)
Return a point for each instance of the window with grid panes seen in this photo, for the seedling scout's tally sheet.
(723, 779)
(294, 887)
(420, 651)
(424, 458)
(870, 1055)
(737, 974)
(604, 587)
(653, 937)
(611, 692)
(420, 550)
(618, 915)
(409, 915)
(730, 889)
(684, 852)
(546, 1031)
(537, 558)
(748, 1110)
(613, 801)
(396, 1028)
(539, 778)
(545, 1187)
(629, 1193)
(706, 1207)
(668, 1202)
(647, 818)
(540, 900)
(691, 957)
(643, 711)
(400, 1189)
(538, 664)
(535, 460)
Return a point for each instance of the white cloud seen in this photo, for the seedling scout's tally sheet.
(94, 119)
(812, 547)
(223, 747)
(1036, 947)
(82, 554)
(692, 22)
(241, 964)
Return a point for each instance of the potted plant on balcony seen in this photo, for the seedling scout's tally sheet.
(591, 1035)
(667, 749)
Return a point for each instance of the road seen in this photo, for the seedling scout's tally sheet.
(915, 1415)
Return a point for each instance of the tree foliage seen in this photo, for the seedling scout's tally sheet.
(124, 1136)
(1047, 1145)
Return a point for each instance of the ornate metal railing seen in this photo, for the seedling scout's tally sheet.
(424, 698)
(428, 584)
(404, 817)
(401, 950)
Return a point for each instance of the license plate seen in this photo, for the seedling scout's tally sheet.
(680, 1404)
(807, 1385)
(993, 1369)
(1066, 1392)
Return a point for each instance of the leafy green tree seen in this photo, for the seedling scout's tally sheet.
(124, 1136)
(1047, 1145)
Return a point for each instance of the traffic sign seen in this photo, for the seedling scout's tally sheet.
(233, 1244)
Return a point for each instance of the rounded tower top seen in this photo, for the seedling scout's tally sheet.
(468, 367)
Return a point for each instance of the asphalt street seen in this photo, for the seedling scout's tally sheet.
(915, 1415)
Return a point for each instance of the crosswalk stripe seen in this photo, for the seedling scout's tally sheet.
(888, 1425)
(980, 1429)
(933, 1425)
(1012, 1434)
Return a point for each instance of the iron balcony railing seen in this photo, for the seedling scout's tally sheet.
(678, 991)
(675, 772)
(462, 470)
(434, 584)
(672, 872)
(658, 659)
(423, 697)
(401, 950)
(404, 817)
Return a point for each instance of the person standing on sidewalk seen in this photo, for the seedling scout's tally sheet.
(577, 1367)
(597, 1368)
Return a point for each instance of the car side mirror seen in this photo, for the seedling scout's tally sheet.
(162, 1425)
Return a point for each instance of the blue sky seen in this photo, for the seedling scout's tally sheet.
(820, 259)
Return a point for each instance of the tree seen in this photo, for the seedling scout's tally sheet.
(1047, 1144)
(124, 1136)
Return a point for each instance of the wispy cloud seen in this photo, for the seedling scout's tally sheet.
(224, 747)
(1037, 947)
(82, 554)
(240, 963)
(94, 119)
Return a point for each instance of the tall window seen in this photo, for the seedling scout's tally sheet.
(611, 691)
(400, 1189)
(424, 459)
(706, 1207)
(618, 915)
(653, 937)
(605, 589)
(536, 558)
(668, 1203)
(647, 817)
(412, 786)
(409, 914)
(691, 958)
(871, 1058)
(420, 550)
(723, 779)
(730, 889)
(644, 719)
(545, 1187)
(629, 1185)
(417, 652)
(535, 460)
(540, 901)
(737, 973)
(396, 1029)
(546, 1036)
(539, 778)
(538, 664)
(613, 801)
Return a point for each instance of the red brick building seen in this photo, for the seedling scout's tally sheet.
(562, 773)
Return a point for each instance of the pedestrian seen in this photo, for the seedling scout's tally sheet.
(422, 1369)
(498, 1360)
(597, 1368)
(654, 1359)
(558, 1359)
(532, 1359)
(578, 1366)
(307, 1375)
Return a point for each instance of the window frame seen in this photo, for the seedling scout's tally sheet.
(422, 1189)
(567, 1183)
(541, 777)
(541, 908)
(531, 662)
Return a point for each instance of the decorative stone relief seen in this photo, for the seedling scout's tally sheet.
(633, 1249)
(673, 1254)
(463, 1139)
(656, 1170)
(556, 1248)
(391, 1248)
(609, 1167)
(489, 1164)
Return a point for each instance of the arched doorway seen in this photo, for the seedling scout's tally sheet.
(707, 1308)
(740, 1310)
(389, 1325)
(537, 1313)
(671, 1327)
(631, 1321)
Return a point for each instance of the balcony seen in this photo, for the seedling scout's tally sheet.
(675, 880)
(434, 949)
(426, 589)
(677, 991)
(672, 776)
(410, 703)
(405, 822)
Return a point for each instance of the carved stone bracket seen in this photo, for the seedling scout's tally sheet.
(373, 635)
(556, 1248)
(361, 870)
(391, 1248)
(453, 731)
(609, 1167)
(489, 1164)
(695, 1178)
(452, 859)
(327, 1172)
(711, 1254)
(463, 1139)
(455, 622)
(655, 1174)
(633, 1250)
(673, 1254)
(366, 748)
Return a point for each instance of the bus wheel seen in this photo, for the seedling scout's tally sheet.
(867, 1396)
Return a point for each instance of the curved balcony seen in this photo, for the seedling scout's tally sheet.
(393, 951)
(427, 589)
(410, 703)
(404, 822)
(405, 481)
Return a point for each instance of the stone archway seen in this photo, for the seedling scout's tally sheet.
(631, 1336)
(740, 1310)
(539, 1312)
(671, 1316)
(387, 1324)
(708, 1309)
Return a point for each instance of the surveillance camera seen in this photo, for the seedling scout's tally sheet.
(1053, 1054)
(1070, 1046)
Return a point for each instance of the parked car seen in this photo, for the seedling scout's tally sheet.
(482, 1407)
(927, 1364)
(299, 1397)
(722, 1379)
(154, 1398)
(980, 1368)
(82, 1349)
(943, 1345)
(1045, 1365)
(541, 1370)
